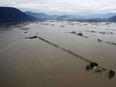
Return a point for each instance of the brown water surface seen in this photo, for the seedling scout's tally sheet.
(35, 63)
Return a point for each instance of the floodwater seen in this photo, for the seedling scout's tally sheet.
(36, 63)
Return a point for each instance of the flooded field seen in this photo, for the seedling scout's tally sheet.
(55, 54)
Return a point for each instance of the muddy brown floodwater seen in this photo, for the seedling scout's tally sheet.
(38, 63)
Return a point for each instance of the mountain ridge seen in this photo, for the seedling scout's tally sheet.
(11, 14)
(106, 16)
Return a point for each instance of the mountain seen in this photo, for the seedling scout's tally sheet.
(100, 16)
(93, 17)
(69, 17)
(42, 16)
(113, 19)
(10, 14)
(88, 18)
(38, 15)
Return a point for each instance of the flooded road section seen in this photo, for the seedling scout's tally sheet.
(55, 58)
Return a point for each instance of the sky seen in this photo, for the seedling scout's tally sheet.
(63, 6)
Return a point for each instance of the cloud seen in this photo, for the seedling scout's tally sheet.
(63, 6)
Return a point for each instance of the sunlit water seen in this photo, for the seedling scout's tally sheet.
(35, 63)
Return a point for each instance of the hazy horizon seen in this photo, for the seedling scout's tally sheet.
(80, 7)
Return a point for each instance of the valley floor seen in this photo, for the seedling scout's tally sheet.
(33, 62)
